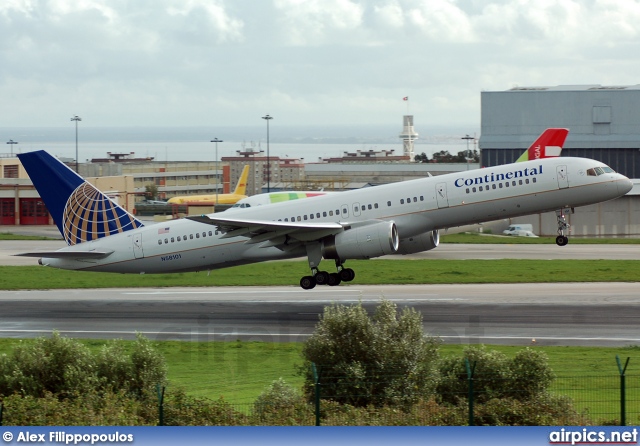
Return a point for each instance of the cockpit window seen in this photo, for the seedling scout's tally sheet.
(595, 171)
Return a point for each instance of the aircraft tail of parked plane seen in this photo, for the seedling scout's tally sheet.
(397, 218)
(213, 199)
(548, 145)
(81, 212)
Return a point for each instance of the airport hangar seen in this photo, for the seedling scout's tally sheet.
(603, 123)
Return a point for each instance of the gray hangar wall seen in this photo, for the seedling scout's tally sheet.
(603, 123)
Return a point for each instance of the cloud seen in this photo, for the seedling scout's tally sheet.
(182, 62)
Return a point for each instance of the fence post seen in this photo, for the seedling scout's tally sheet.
(623, 390)
(1, 408)
(471, 369)
(160, 390)
(316, 382)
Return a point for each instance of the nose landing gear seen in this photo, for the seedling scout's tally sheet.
(562, 239)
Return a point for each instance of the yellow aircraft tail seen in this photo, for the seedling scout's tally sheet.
(241, 187)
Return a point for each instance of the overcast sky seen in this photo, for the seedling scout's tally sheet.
(305, 62)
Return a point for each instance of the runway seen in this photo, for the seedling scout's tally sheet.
(603, 314)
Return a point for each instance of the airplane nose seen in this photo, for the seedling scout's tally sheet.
(625, 185)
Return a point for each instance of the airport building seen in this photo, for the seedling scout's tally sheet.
(603, 123)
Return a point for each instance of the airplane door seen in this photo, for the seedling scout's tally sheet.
(441, 195)
(137, 246)
(356, 209)
(563, 177)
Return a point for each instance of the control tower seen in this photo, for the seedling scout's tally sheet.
(408, 135)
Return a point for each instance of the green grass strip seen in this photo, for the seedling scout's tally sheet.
(368, 272)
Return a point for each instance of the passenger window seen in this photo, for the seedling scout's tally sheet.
(480, 189)
(375, 205)
(369, 207)
(197, 235)
(513, 183)
(204, 234)
(166, 240)
(311, 216)
(500, 185)
(210, 233)
(493, 186)
(324, 213)
(415, 199)
(388, 203)
(344, 211)
(304, 217)
(474, 189)
(534, 179)
(402, 201)
(520, 182)
(467, 190)
(526, 181)
(299, 218)
(318, 215)
(191, 236)
(179, 239)
(331, 213)
(286, 219)
(421, 197)
(506, 184)
(159, 242)
(172, 240)
(363, 207)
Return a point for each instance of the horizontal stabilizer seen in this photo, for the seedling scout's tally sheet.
(67, 254)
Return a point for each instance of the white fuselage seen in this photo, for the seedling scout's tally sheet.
(416, 206)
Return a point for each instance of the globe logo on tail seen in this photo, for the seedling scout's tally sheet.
(90, 215)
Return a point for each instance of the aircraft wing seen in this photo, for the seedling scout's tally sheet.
(273, 233)
(67, 254)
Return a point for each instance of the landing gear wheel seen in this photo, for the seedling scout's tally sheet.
(347, 274)
(562, 240)
(308, 282)
(322, 277)
(334, 279)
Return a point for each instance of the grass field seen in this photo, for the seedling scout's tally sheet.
(367, 272)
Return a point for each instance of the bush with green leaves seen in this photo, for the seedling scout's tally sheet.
(281, 404)
(383, 359)
(494, 375)
(66, 368)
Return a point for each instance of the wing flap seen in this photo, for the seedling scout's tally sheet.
(272, 232)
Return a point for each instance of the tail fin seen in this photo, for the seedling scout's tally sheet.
(241, 187)
(548, 145)
(81, 212)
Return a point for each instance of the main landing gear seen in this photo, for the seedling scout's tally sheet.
(561, 239)
(314, 254)
(325, 278)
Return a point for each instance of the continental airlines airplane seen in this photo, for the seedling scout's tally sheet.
(398, 218)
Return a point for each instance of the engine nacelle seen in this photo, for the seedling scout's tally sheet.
(362, 242)
(419, 243)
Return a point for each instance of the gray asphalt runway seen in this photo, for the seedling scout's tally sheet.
(542, 314)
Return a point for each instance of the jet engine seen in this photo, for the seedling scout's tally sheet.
(419, 243)
(362, 242)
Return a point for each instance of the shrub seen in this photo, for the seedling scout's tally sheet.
(280, 404)
(496, 376)
(381, 360)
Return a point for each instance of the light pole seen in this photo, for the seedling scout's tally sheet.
(268, 118)
(12, 142)
(468, 157)
(216, 140)
(76, 118)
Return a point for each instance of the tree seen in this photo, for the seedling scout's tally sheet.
(381, 360)
(151, 191)
(421, 158)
